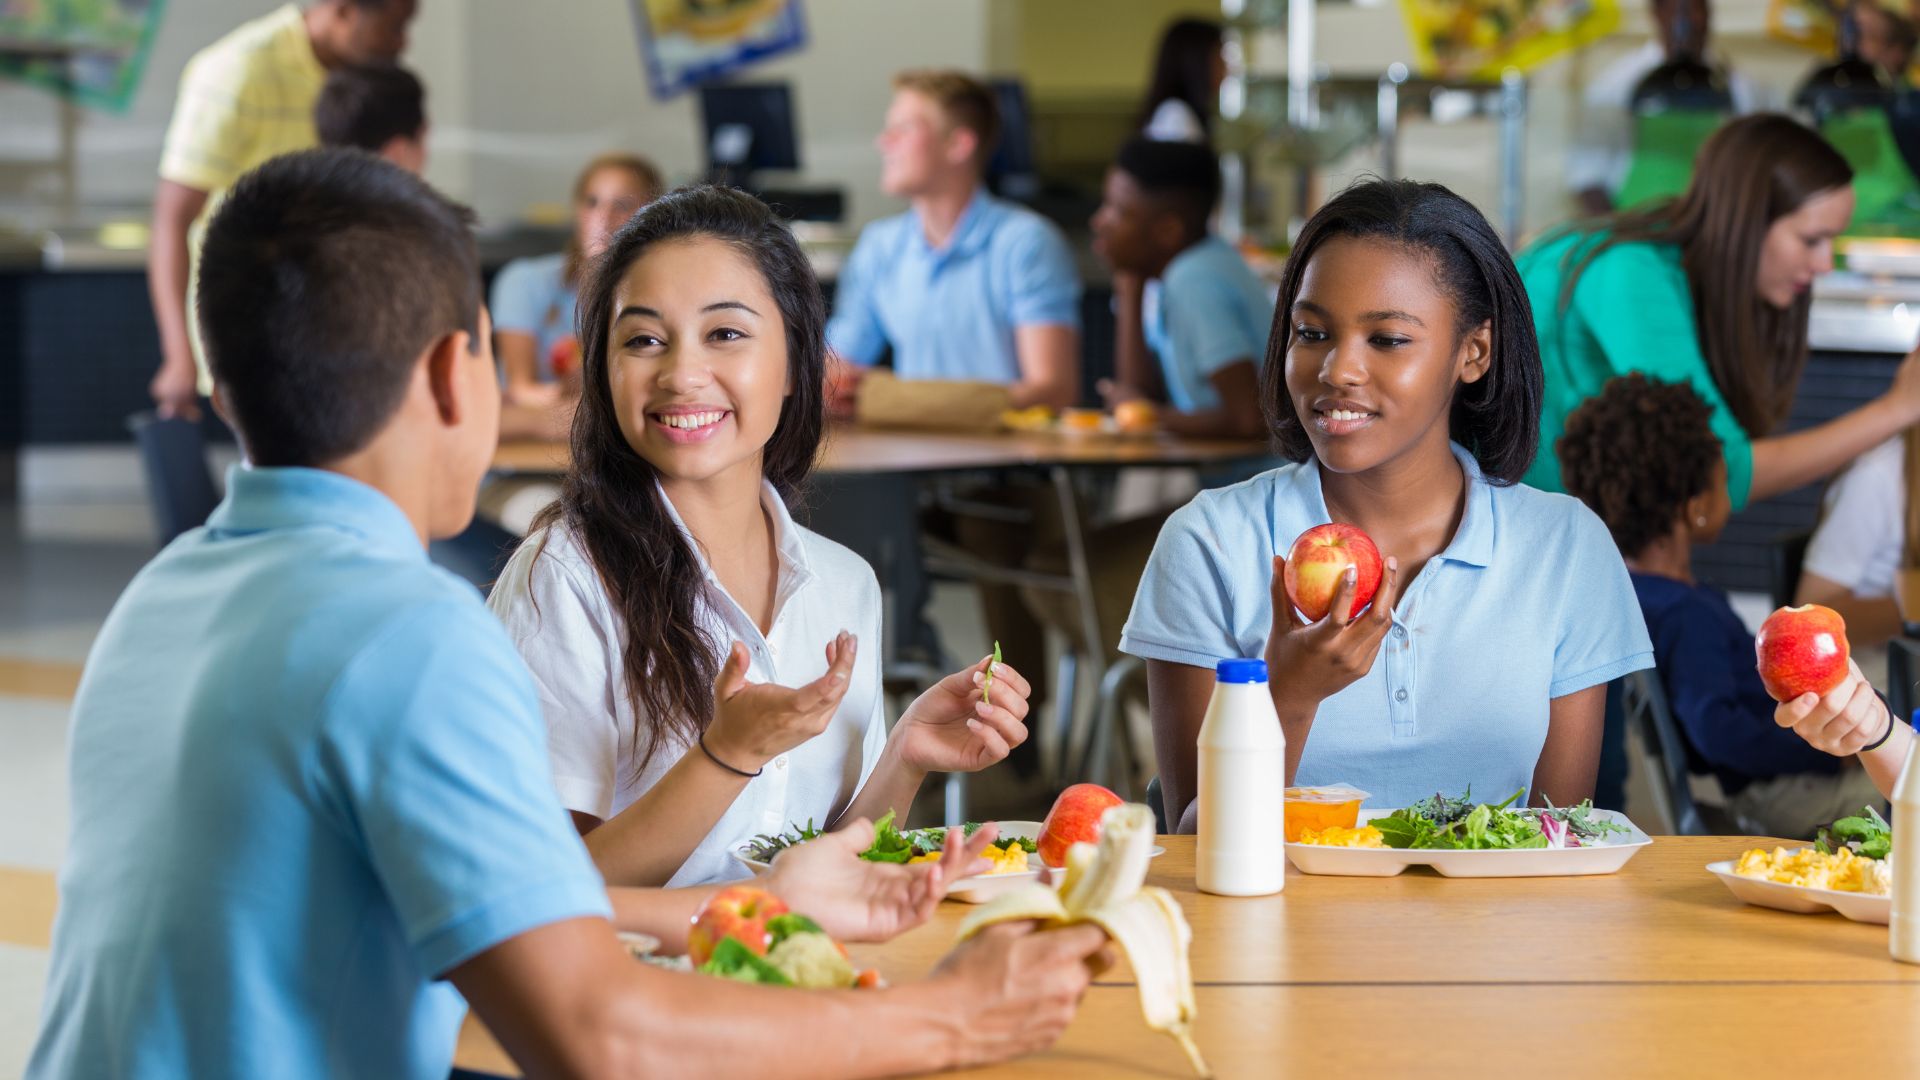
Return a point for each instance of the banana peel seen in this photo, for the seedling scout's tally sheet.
(1105, 884)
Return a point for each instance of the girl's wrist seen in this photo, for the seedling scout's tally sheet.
(730, 756)
(893, 760)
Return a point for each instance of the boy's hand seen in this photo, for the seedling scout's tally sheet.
(1849, 718)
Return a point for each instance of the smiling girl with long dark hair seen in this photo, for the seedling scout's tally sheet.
(668, 601)
(1403, 381)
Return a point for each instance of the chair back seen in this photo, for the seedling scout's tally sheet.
(1784, 561)
(1644, 702)
(180, 487)
(1903, 669)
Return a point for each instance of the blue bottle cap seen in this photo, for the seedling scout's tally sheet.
(1241, 671)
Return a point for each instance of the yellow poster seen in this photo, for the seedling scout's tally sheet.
(1478, 39)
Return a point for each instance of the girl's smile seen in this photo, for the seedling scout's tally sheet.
(686, 424)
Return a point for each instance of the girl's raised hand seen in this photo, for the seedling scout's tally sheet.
(1308, 663)
(753, 723)
(963, 723)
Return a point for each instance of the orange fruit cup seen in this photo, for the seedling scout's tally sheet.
(1321, 807)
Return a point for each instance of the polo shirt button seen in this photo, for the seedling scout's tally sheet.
(1400, 695)
(1399, 631)
(780, 762)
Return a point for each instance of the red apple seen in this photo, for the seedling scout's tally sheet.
(1074, 819)
(739, 912)
(1316, 562)
(1802, 650)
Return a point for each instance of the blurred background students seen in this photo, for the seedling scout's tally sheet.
(380, 109)
(1603, 153)
(1190, 318)
(1185, 90)
(244, 99)
(1643, 456)
(963, 286)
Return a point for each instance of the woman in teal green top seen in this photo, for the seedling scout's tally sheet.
(1711, 289)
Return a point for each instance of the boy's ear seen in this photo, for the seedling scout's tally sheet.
(1476, 353)
(962, 144)
(446, 376)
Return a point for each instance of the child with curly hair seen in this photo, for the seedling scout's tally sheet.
(1644, 456)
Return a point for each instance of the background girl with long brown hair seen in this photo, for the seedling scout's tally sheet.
(668, 601)
(1712, 289)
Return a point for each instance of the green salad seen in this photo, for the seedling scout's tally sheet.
(889, 844)
(1868, 836)
(1442, 823)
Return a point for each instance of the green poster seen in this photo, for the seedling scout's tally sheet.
(89, 51)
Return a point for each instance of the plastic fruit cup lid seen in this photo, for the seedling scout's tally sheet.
(1337, 793)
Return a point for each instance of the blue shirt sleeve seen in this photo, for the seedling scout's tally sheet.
(1044, 279)
(1209, 330)
(1716, 695)
(854, 331)
(520, 298)
(1183, 611)
(435, 760)
(1602, 634)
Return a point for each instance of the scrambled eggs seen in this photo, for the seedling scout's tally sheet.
(1340, 836)
(1842, 871)
(1011, 859)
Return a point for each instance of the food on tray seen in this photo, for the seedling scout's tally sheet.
(1321, 807)
(1105, 884)
(893, 845)
(748, 935)
(1343, 836)
(1802, 650)
(1008, 859)
(1031, 418)
(1074, 819)
(1320, 557)
(1444, 823)
(1841, 871)
(1868, 835)
(1082, 420)
(1136, 417)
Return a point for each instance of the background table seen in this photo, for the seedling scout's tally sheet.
(1654, 971)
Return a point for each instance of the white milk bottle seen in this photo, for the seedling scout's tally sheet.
(1243, 786)
(1903, 931)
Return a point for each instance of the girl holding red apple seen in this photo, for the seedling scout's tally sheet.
(698, 653)
(1404, 383)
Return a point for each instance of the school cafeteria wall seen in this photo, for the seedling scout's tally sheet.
(520, 95)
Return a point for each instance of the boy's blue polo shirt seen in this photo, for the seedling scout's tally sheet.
(309, 778)
(950, 312)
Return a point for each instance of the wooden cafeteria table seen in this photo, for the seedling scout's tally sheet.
(1656, 971)
(849, 450)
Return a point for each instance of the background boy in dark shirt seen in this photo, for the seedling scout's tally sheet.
(1643, 456)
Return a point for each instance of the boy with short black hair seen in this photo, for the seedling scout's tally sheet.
(377, 108)
(1180, 293)
(311, 805)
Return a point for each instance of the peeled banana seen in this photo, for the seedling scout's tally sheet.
(1105, 884)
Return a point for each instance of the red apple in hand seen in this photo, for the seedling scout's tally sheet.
(1802, 650)
(1316, 562)
(1074, 819)
(739, 912)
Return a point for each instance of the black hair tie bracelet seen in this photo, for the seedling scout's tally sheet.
(731, 769)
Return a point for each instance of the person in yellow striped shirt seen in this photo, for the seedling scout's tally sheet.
(243, 99)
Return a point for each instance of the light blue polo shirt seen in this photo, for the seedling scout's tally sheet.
(1529, 602)
(950, 312)
(1206, 312)
(309, 777)
(531, 296)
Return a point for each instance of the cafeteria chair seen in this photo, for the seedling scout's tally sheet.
(180, 488)
(1903, 676)
(1664, 753)
(1157, 802)
(1110, 730)
(1784, 560)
